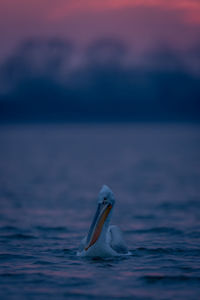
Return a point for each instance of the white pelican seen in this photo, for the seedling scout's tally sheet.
(103, 240)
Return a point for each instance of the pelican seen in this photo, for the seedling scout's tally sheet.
(103, 240)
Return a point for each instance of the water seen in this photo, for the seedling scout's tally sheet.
(50, 177)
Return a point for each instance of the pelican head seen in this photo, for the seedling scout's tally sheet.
(106, 195)
(106, 202)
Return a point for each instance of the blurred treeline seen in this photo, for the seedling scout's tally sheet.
(52, 80)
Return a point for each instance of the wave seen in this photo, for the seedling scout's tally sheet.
(171, 251)
(51, 228)
(19, 236)
(168, 230)
(170, 279)
(11, 256)
(8, 228)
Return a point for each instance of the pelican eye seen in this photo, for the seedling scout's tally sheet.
(104, 200)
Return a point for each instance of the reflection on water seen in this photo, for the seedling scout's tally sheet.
(50, 178)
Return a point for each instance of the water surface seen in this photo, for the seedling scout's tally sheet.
(50, 176)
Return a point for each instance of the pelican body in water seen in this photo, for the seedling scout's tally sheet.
(103, 240)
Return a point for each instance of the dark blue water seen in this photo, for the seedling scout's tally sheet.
(50, 176)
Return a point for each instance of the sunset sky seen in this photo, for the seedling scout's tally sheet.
(142, 24)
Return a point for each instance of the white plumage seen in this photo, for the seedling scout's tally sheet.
(103, 240)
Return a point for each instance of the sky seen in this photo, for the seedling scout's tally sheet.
(143, 24)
